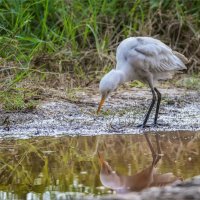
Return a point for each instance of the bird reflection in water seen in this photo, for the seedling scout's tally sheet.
(148, 177)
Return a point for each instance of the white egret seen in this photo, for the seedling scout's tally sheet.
(145, 59)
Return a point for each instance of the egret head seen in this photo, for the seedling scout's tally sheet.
(109, 83)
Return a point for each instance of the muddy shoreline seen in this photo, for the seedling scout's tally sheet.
(122, 112)
(186, 190)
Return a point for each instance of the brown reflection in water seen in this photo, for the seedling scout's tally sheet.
(70, 164)
(147, 177)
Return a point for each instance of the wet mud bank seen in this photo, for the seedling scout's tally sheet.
(122, 112)
(189, 189)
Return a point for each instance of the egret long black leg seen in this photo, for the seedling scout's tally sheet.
(157, 106)
(150, 107)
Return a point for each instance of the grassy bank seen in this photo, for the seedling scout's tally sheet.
(67, 44)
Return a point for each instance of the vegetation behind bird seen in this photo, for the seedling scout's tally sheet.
(73, 42)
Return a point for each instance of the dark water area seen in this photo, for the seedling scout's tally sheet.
(68, 168)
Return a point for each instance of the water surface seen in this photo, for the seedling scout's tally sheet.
(66, 167)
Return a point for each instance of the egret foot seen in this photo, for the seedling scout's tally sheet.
(157, 125)
(144, 126)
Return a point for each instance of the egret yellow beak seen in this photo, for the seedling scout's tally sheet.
(100, 104)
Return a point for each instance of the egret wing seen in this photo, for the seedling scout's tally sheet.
(160, 58)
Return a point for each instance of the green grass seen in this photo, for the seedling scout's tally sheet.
(137, 84)
(41, 40)
(19, 99)
(191, 82)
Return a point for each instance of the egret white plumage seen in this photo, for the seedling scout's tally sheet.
(145, 59)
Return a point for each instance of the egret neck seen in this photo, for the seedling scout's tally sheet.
(109, 83)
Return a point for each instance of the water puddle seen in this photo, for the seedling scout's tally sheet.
(68, 167)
